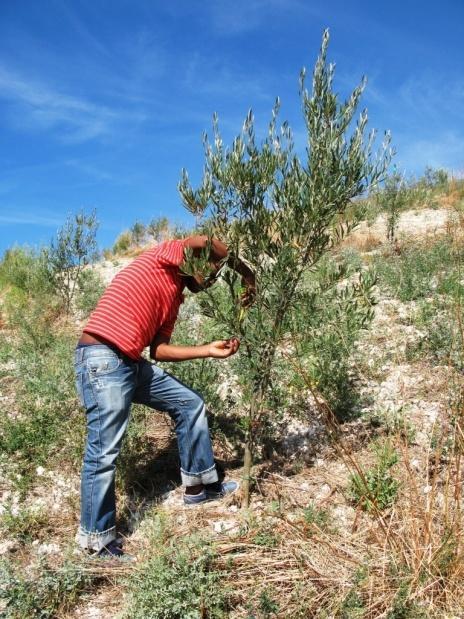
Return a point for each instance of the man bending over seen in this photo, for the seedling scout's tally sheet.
(138, 309)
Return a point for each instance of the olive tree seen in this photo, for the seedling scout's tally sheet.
(74, 248)
(281, 214)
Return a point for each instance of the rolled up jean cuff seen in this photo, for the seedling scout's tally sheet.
(204, 477)
(95, 540)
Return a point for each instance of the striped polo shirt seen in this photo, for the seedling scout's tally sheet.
(141, 301)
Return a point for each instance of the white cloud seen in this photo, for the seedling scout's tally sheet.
(241, 16)
(445, 150)
(48, 221)
(36, 105)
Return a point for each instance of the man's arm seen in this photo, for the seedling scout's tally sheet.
(162, 350)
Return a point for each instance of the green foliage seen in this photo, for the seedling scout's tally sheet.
(48, 422)
(267, 605)
(158, 228)
(392, 199)
(178, 580)
(439, 320)
(25, 270)
(352, 606)
(376, 488)
(282, 215)
(122, 243)
(138, 232)
(74, 248)
(317, 518)
(91, 287)
(23, 524)
(335, 304)
(420, 270)
(267, 537)
(46, 594)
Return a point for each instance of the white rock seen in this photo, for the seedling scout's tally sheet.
(225, 526)
(323, 492)
(7, 545)
(40, 471)
(48, 549)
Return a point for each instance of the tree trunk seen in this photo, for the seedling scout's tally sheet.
(247, 464)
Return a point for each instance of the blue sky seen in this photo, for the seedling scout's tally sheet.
(103, 102)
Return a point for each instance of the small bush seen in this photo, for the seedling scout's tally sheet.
(48, 421)
(421, 270)
(91, 287)
(377, 488)
(23, 524)
(122, 243)
(26, 270)
(438, 318)
(316, 518)
(178, 580)
(46, 594)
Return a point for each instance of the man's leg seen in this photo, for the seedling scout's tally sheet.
(161, 391)
(105, 384)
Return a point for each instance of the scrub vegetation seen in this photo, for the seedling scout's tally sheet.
(354, 505)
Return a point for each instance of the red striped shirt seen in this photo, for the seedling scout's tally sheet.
(141, 301)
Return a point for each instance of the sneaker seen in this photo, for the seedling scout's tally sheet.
(112, 550)
(211, 492)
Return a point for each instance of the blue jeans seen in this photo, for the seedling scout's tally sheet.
(107, 383)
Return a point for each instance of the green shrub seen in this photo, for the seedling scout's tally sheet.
(376, 488)
(23, 524)
(91, 287)
(122, 243)
(26, 270)
(439, 319)
(419, 271)
(158, 228)
(48, 422)
(177, 581)
(267, 537)
(74, 247)
(138, 232)
(46, 593)
(318, 517)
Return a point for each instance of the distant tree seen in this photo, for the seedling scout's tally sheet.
(74, 247)
(158, 228)
(138, 232)
(392, 199)
(282, 215)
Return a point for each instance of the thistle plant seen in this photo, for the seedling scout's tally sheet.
(281, 214)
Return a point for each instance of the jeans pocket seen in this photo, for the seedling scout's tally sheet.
(102, 365)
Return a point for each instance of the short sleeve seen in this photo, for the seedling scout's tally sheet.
(171, 253)
(167, 327)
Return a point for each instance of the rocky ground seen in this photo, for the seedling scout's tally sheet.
(393, 391)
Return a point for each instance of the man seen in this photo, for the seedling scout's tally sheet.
(139, 308)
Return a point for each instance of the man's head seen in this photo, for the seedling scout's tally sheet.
(199, 282)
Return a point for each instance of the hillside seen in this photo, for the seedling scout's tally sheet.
(359, 517)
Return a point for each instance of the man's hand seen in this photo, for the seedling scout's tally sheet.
(221, 349)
